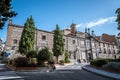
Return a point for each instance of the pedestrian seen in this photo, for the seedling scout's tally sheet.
(53, 66)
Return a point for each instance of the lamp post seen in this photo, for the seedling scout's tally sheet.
(89, 36)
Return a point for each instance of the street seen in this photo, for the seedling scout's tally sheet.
(77, 74)
(60, 75)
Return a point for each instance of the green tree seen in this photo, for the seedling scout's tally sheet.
(26, 43)
(31, 54)
(58, 44)
(31, 34)
(6, 12)
(118, 18)
(43, 55)
(51, 57)
(23, 40)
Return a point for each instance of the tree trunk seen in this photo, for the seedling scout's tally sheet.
(57, 59)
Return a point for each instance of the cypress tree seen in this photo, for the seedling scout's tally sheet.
(58, 44)
(26, 43)
(31, 34)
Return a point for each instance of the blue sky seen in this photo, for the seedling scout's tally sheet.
(98, 15)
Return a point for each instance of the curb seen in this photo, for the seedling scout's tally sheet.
(97, 73)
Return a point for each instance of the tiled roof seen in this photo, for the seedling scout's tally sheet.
(109, 38)
(97, 37)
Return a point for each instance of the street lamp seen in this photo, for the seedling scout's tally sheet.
(89, 37)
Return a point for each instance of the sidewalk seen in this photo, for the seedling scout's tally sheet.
(66, 64)
(115, 76)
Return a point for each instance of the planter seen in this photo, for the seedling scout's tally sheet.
(62, 63)
(22, 68)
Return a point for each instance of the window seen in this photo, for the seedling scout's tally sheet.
(13, 47)
(15, 41)
(73, 41)
(93, 44)
(82, 42)
(100, 50)
(99, 43)
(103, 45)
(64, 40)
(43, 37)
(109, 51)
(104, 50)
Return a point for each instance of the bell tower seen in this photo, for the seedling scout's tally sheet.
(73, 29)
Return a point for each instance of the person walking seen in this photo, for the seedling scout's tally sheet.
(51, 67)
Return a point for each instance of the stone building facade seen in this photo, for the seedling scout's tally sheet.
(108, 46)
(81, 46)
(118, 41)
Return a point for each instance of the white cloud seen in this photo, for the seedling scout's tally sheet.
(100, 22)
(79, 25)
(97, 22)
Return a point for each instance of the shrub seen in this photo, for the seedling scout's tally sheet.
(112, 60)
(112, 65)
(117, 60)
(62, 61)
(67, 61)
(109, 60)
(66, 57)
(31, 54)
(20, 62)
(43, 55)
(98, 62)
(33, 60)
